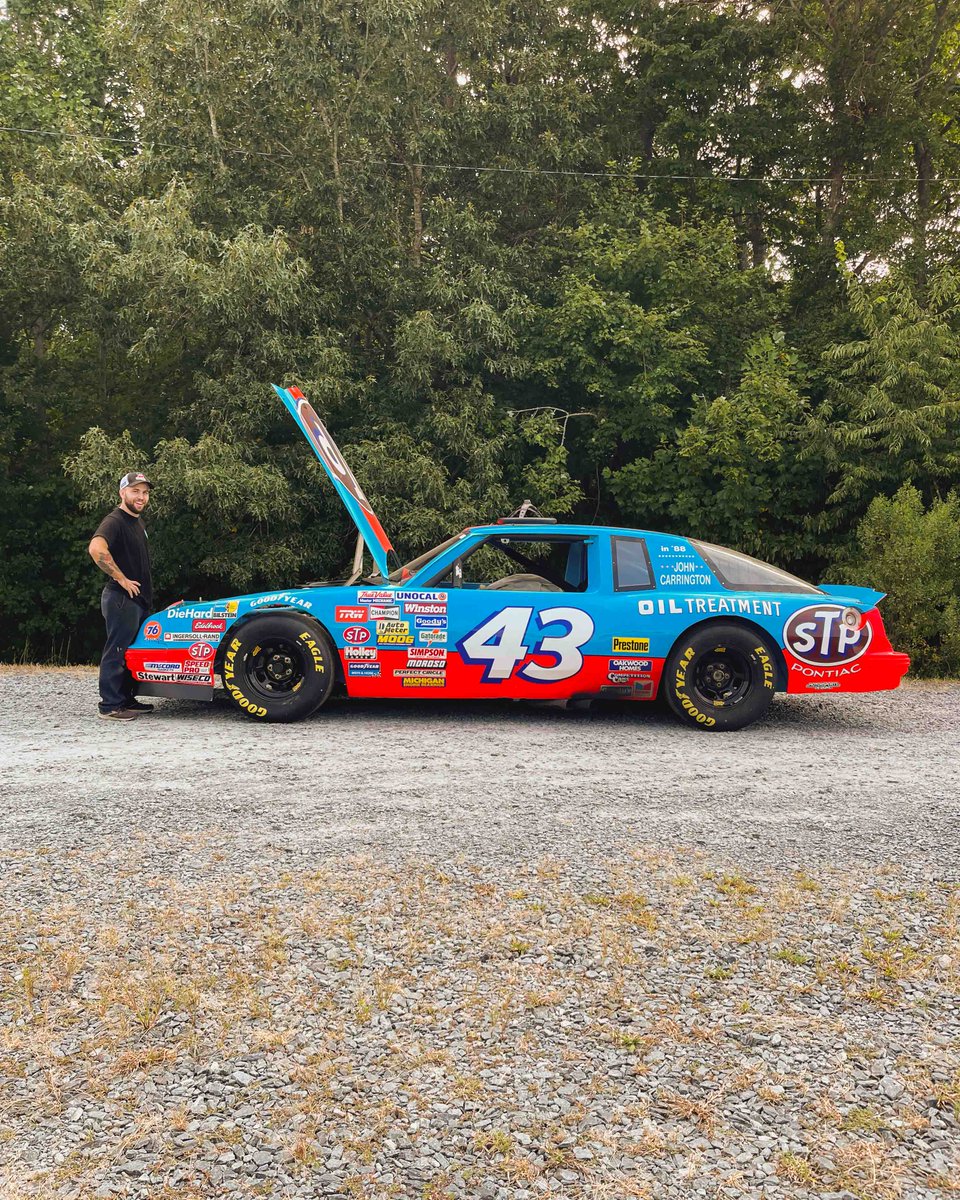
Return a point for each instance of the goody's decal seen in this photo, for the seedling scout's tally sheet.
(818, 636)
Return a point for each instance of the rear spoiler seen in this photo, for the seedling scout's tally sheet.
(860, 596)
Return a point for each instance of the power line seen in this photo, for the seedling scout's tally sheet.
(483, 169)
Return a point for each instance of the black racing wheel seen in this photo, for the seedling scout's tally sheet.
(720, 677)
(278, 666)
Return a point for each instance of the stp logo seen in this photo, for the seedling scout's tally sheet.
(151, 631)
(356, 635)
(816, 635)
(201, 650)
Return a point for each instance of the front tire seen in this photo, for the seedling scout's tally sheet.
(278, 667)
(720, 677)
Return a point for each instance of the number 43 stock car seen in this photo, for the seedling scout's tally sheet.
(527, 609)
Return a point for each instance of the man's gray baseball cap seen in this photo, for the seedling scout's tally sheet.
(133, 477)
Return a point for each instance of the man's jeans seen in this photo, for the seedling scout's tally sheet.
(124, 618)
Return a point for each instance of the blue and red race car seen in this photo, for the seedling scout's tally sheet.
(524, 609)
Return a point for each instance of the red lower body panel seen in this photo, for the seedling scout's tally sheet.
(879, 669)
(405, 674)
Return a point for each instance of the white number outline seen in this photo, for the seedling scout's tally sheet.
(566, 647)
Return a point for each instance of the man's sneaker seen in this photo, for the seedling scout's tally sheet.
(118, 714)
(136, 706)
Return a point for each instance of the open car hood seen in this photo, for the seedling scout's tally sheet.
(343, 479)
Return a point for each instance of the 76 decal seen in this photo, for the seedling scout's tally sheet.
(505, 639)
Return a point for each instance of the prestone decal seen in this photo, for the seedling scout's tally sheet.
(630, 645)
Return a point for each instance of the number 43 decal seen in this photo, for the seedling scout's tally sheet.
(501, 641)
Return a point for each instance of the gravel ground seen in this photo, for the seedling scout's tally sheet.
(478, 951)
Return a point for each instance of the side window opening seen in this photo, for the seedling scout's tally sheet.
(631, 564)
(740, 573)
(507, 562)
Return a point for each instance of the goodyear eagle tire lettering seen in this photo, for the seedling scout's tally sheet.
(721, 677)
(278, 667)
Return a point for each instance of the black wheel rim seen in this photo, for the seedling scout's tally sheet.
(722, 677)
(276, 667)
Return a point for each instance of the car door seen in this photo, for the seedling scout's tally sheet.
(523, 635)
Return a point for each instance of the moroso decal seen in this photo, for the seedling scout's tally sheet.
(630, 645)
(356, 635)
(350, 615)
(152, 630)
(817, 636)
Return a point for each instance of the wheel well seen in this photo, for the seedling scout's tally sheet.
(275, 610)
(780, 664)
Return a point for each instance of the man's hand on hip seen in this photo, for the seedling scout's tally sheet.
(130, 586)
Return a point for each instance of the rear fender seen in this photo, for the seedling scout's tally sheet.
(779, 663)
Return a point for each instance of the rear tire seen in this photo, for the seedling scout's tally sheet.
(278, 667)
(721, 677)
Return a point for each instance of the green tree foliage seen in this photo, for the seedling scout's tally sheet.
(584, 254)
(913, 553)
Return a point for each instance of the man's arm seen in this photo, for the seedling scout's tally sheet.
(99, 551)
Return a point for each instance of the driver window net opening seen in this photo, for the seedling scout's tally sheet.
(506, 563)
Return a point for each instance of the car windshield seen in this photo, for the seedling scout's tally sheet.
(401, 574)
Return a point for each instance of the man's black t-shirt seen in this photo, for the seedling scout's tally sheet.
(126, 539)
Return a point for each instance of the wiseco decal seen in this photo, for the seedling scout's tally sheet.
(817, 636)
(350, 615)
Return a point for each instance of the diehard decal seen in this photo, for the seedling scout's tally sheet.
(816, 635)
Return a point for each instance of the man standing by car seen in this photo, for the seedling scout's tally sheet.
(119, 548)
